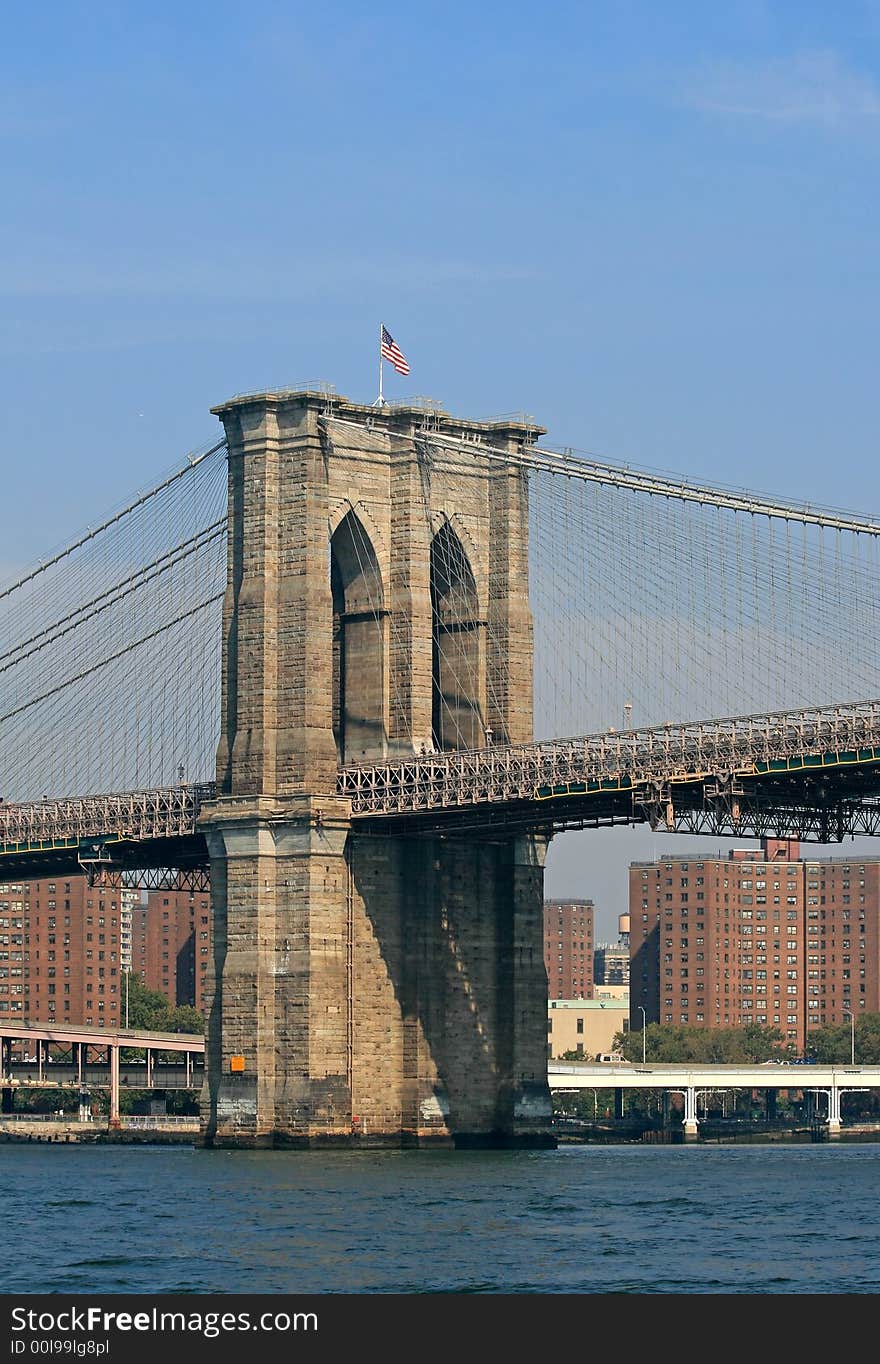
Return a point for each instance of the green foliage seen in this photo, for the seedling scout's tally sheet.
(583, 1103)
(834, 1041)
(754, 1042)
(709, 1046)
(187, 1019)
(150, 1011)
(45, 1101)
(182, 1101)
(179, 1101)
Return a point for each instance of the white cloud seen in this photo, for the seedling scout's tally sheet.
(808, 87)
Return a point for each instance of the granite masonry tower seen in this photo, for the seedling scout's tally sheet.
(370, 989)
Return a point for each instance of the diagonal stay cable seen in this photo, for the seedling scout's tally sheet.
(111, 658)
(92, 532)
(111, 597)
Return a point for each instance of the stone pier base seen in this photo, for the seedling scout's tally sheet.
(372, 991)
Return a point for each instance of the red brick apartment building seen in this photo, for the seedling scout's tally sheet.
(64, 946)
(60, 953)
(171, 942)
(568, 948)
(755, 936)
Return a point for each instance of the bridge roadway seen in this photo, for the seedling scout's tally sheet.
(693, 1080)
(811, 774)
(36, 1041)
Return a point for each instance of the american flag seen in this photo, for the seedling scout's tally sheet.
(389, 350)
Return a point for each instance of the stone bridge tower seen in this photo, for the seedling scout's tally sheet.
(370, 989)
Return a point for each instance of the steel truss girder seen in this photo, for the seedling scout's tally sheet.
(195, 880)
(128, 817)
(802, 744)
(804, 823)
(815, 770)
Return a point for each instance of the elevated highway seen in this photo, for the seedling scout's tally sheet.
(42, 1056)
(691, 1081)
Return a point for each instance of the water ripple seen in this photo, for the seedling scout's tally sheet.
(626, 1219)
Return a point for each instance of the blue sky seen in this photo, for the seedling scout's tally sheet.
(652, 227)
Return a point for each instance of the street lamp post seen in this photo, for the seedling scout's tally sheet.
(644, 1030)
(852, 1035)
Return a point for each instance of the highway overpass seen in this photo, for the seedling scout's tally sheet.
(692, 1081)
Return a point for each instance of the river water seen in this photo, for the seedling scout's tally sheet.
(768, 1219)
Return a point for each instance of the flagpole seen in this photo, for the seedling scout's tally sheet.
(380, 401)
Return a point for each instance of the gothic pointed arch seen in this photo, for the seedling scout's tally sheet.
(458, 646)
(360, 645)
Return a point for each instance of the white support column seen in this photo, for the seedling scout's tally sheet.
(114, 1086)
(691, 1123)
(833, 1111)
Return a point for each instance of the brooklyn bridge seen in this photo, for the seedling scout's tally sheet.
(355, 667)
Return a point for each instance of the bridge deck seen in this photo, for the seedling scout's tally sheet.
(63, 1035)
(809, 773)
(659, 1075)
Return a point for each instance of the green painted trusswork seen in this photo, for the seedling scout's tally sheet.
(583, 788)
(57, 845)
(841, 758)
(761, 768)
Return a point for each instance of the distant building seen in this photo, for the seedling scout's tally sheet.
(129, 903)
(568, 948)
(755, 936)
(585, 1027)
(174, 945)
(139, 941)
(611, 964)
(65, 947)
(60, 952)
(611, 991)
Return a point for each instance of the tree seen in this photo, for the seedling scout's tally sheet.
(150, 1011)
(709, 1046)
(833, 1043)
(762, 1043)
(185, 1018)
(582, 1103)
(44, 1100)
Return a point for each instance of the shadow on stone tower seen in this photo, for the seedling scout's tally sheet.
(370, 989)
